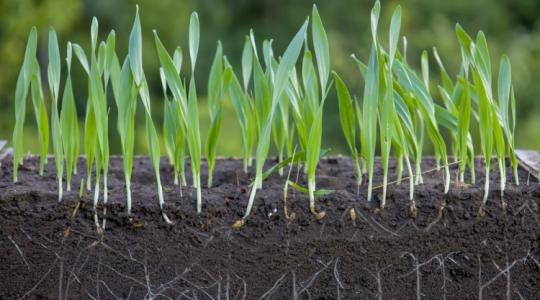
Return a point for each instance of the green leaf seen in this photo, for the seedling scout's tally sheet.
(214, 81)
(135, 49)
(247, 62)
(446, 81)
(322, 52)
(395, 26)
(425, 69)
(504, 86)
(346, 114)
(303, 190)
(69, 123)
(40, 112)
(482, 58)
(194, 37)
(53, 71)
(79, 52)
(368, 133)
(171, 74)
(374, 18)
(21, 93)
(463, 120)
(314, 145)
(109, 55)
(177, 59)
(287, 63)
(94, 33)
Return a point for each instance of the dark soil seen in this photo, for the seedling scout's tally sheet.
(451, 248)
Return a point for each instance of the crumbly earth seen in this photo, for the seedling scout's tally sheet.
(449, 248)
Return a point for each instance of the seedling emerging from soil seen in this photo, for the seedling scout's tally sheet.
(125, 95)
(457, 101)
(494, 118)
(187, 100)
(69, 123)
(135, 62)
(96, 125)
(174, 129)
(193, 132)
(307, 99)
(507, 110)
(347, 119)
(397, 109)
(368, 134)
(28, 76)
(282, 74)
(53, 76)
(243, 108)
(215, 104)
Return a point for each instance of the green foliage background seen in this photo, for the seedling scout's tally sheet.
(512, 27)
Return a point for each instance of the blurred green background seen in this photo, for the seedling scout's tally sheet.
(511, 26)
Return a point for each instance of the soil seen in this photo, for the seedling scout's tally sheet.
(450, 248)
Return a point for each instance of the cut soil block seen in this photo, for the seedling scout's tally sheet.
(448, 247)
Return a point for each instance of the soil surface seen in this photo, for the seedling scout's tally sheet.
(448, 248)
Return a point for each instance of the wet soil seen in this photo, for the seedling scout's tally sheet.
(448, 248)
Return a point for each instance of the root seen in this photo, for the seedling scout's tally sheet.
(276, 285)
(440, 211)
(339, 284)
(21, 254)
(378, 277)
(417, 265)
(40, 280)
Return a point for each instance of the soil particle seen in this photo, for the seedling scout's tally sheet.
(442, 247)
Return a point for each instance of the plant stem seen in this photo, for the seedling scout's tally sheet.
(280, 159)
(418, 169)
(516, 175)
(96, 193)
(357, 170)
(502, 171)
(385, 184)
(105, 190)
(60, 190)
(210, 176)
(399, 169)
(472, 169)
(246, 163)
(370, 185)
(162, 201)
(197, 185)
(254, 188)
(446, 178)
(411, 178)
(128, 193)
(42, 163)
(105, 199)
(486, 185)
(311, 189)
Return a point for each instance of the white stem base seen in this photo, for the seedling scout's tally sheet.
(60, 190)
(486, 186)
